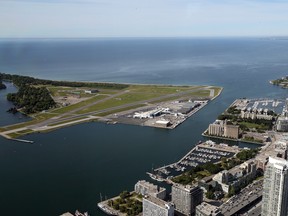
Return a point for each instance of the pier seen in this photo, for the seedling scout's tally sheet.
(22, 140)
(14, 139)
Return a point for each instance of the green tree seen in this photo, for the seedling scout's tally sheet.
(32, 99)
(116, 206)
(124, 194)
(231, 191)
(122, 208)
(2, 86)
(209, 194)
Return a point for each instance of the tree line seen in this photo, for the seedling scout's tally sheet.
(31, 99)
(19, 81)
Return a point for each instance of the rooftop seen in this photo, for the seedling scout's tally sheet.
(207, 208)
(279, 162)
(157, 201)
(187, 188)
(151, 187)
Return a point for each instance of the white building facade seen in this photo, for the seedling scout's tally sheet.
(156, 207)
(275, 188)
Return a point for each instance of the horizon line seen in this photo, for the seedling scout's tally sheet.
(131, 37)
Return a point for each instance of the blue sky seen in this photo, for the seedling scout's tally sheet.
(143, 18)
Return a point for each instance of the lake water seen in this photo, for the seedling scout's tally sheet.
(67, 169)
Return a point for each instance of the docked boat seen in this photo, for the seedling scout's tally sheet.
(77, 213)
(106, 210)
(155, 177)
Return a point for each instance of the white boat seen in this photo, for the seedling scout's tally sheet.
(155, 177)
(77, 213)
(105, 209)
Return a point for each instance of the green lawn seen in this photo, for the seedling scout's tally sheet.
(25, 131)
(13, 135)
(67, 121)
(204, 173)
(253, 125)
(44, 116)
(201, 93)
(120, 110)
(79, 105)
(118, 101)
(65, 91)
(55, 90)
(160, 90)
(20, 125)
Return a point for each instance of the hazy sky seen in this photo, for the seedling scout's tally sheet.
(144, 18)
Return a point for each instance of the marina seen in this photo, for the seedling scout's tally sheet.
(207, 152)
(259, 105)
